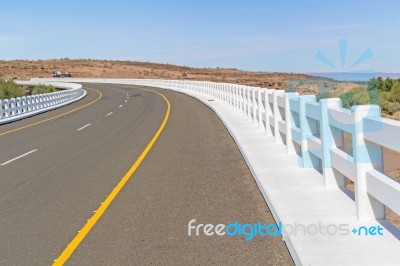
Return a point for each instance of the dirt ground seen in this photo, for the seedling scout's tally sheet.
(129, 69)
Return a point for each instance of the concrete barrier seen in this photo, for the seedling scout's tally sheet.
(22, 107)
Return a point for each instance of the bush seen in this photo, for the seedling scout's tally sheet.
(323, 95)
(394, 95)
(387, 84)
(347, 99)
(384, 95)
(361, 96)
(8, 90)
(41, 89)
(356, 96)
(389, 107)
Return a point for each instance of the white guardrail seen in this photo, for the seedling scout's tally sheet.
(22, 107)
(315, 131)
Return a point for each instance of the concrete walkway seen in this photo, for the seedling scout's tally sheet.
(297, 195)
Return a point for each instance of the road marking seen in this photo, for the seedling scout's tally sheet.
(19, 157)
(126, 100)
(85, 126)
(120, 106)
(110, 113)
(103, 207)
(54, 117)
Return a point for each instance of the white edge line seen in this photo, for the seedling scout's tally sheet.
(19, 157)
(79, 129)
(110, 113)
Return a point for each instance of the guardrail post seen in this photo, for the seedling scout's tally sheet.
(254, 105)
(330, 136)
(268, 111)
(232, 95)
(2, 110)
(235, 96)
(260, 109)
(242, 98)
(238, 99)
(366, 156)
(276, 114)
(305, 130)
(288, 122)
(227, 94)
(248, 94)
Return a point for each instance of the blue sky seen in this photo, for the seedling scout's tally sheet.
(281, 36)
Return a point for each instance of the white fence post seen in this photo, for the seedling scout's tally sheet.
(260, 109)
(248, 99)
(254, 105)
(268, 111)
(276, 114)
(330, 136)
(305, 130)
(288, 122)
(366, 156)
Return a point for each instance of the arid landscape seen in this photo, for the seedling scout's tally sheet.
(23, 69)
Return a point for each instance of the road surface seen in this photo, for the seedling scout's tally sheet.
(58, 168)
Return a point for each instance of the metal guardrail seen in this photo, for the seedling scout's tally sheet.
(22, 107)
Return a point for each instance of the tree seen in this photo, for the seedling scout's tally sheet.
(379, 83)
(372, 89)
(347, 99)
(387, 84)
(361, 96)
(395, 93)
(372, 84)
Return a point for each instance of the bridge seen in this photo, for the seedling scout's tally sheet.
(58, 174)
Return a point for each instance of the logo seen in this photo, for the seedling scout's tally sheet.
(347, 71)
(352, 100)
(249, 230)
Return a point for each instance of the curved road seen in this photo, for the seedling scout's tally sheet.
(57, 168)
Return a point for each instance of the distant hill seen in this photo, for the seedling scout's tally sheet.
(132, 69)
(355, 76)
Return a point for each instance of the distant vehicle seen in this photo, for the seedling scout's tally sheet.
(60, 74)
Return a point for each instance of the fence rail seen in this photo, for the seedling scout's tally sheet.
(22, 107)
(315, 132)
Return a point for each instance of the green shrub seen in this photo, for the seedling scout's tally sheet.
(361, 96)
(394, 95)
(390, 107)
(8, 89)
(323, 95)
(387, 84)
(384, 95)
(356, 96)
(41, 89)
(347, 99)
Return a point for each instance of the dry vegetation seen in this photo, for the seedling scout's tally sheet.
(129, 69)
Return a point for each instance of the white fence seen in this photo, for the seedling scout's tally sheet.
(315, 131)
(22, 107)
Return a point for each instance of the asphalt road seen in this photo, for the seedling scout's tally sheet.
(54, 173)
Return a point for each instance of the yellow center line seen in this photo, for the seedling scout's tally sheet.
(54, 117)
(72, 246)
